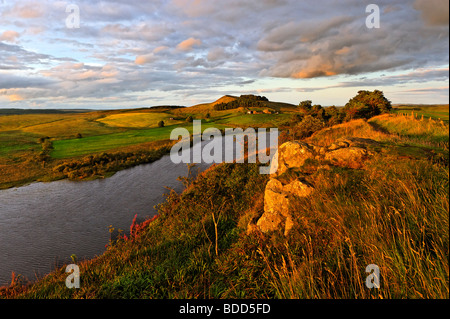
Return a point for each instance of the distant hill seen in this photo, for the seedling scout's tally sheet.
(209, 107)
(41, 111)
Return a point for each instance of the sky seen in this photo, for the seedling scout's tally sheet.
(137, 53)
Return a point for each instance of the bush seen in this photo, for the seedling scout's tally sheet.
(307, 127)
(161, 124)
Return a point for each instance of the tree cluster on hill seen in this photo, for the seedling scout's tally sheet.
(242, 101)
(312, 118)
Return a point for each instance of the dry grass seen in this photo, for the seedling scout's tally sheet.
(137, 119)
(358, 128)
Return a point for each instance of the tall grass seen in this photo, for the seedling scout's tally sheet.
(395, 215)
(413, 129)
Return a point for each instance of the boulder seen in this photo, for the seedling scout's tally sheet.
(292, 154)
(276, 204)
(352, 157)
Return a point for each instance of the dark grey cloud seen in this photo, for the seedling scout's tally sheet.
(8, 81)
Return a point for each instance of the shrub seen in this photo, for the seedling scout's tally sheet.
(307, 127)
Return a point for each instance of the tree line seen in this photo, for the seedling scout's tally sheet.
(242, 101)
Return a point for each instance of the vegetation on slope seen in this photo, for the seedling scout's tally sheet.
(393, 212)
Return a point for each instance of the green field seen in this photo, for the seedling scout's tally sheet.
(255, 120)
(437, 112)
(101, 143)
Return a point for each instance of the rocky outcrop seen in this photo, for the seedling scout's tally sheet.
(346, 152)
(292, 154)
(277, 198)
(349, 152)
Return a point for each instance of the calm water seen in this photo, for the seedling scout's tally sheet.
(43, 224)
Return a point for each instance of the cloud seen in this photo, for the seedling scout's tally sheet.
(9, 36)
(28, 10)
(15, 97)
(150, 57)
(144, 59)
(8, 81)
(433, 12)
(188, 44)
(131, 50)
(342, 45)
(218, 54)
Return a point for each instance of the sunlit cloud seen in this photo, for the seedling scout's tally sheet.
(188, 44)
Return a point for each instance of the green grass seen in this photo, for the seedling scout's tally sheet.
(12, 142)
(101, 143)
(428, 111)
(55, 125)
(393, 213)
(413, 129)
(255, 120)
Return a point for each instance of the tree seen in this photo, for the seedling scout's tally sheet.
(333, 115)
(79, 135)
(296, 118)
(161, 124)
(190, 119)
(366, 105)
(305, 106)
(307, 127)
(317, 111)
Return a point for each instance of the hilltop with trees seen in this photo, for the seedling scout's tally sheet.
(311, 118)
(243, 101)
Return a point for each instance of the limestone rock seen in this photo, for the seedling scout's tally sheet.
(293, 154)
(298, 188)
(349, 152)
(352, 157)
(276, 204)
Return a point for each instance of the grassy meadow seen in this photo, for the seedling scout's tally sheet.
(437, 112)
(393, 212)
